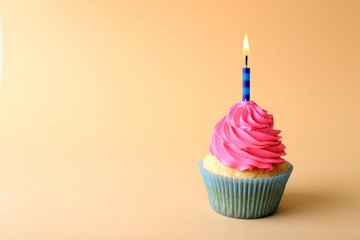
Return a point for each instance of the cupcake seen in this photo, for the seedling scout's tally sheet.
(245, 173)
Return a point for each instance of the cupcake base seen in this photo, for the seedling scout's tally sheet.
(244, 198)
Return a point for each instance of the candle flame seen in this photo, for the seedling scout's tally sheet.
(246, 49)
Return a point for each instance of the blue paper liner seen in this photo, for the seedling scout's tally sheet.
(244, 198)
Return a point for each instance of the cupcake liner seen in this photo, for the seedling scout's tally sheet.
(244, 198)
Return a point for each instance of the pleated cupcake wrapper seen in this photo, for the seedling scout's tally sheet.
(244, 198)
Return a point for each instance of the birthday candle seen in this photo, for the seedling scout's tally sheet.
(246, 84)
(246, 72)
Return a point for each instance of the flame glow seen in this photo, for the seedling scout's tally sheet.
(246, 49)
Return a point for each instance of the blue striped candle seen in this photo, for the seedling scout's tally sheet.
(246, 84)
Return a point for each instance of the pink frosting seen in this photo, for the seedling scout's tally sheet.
(245, 138)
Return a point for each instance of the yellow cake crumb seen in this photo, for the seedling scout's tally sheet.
(213, 165)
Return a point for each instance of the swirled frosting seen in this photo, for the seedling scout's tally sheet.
(245, 138)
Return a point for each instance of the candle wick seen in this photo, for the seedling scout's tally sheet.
(246, 60)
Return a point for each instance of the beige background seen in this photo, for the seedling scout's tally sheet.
(106, 107)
